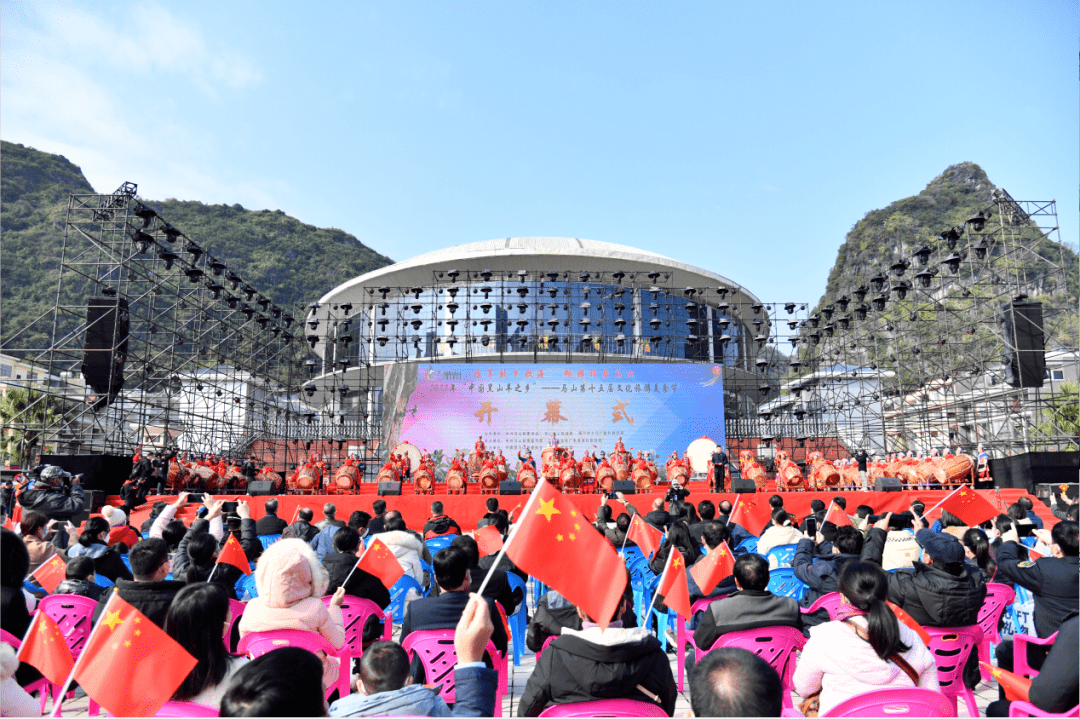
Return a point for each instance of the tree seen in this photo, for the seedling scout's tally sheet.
(25, 415)
(1062, 417)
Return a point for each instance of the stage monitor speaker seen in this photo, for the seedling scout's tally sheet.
(106, 345)
(887, 484)
(743, 486)
(625, 486)
(509, 486)
(95, 500)
(389, 488)
(1025, 353)
(260, 488)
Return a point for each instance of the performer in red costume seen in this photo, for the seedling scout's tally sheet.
(619, 446)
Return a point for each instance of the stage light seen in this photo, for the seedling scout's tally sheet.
(756, 307)
(313, 339)
(233, 279)
(193, 274)
(978, 221)
(655, 322)
(814, 321)
(169, 256)
(924, 277)
(923, 255)
(145, 214)
(761, 363)
(900, 289)
(899, 267)
(877, 282)
(879, 302)
(844, 321)
(143, 240)
(309, 389)
(193, 249)
(828, 312)
(861, 292)
(618, 275)
(790, 307)
(950, 237)
(724, 339)
(980, 248)
(815, 337)
(953, 263)
(313, 324)
(654, 276)
(860, 312)
(829, 329)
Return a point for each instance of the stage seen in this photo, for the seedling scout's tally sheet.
(468, 509)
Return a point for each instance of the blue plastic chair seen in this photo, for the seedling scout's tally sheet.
(34, 589)
(267, 539)
(539, 590)
(748, 545)
(126, 560)
(780, 557)
(430, 572)
(784, 583)
(441, 542)
(518, 620)
(102, 581)
(397, 596)
(246, 584)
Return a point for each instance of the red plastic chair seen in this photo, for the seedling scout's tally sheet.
(355, 611)
(951, 647)
(829, 602)
(1020, 653)
(916, 702)
(776, 645)
(42, 686)
(435, 648)
(186, 709)
(998, 599)
(73, 614)
(684, 639)
(605, 708)
(1026, 709)
(255, 644)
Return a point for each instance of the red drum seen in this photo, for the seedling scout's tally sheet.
(476, 461)
(678, 473)
(550, 459)
(502, 471)
(309, 481)
(823, 473)
(622, 470)
(605, 478)
(571, 480)
(208, 479)
(275, 480)
(346, 479)
(527, 476)
(642, 479)
(178, 476)
(588, 467)
(234, 481)
(388, 474)
(788, 476)
(489, 480)
(959, 469)
(455, 482)
(752, 470)
(423, 481)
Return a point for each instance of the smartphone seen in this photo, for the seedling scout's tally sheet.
(229, 507)
(194, 497)
(1025, 530)
(811, 526)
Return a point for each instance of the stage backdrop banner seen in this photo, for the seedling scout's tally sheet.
(657, 407)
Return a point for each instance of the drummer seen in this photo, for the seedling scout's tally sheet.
(527, 460)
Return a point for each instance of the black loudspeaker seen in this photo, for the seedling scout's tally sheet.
(260, 488)
(887, 484)
(106, 345)
(95, 500)
(625, 486)
(389, 488)
(1025, 354)
(743, 486)
(509, 486)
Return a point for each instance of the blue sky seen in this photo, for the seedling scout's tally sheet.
(746, 138)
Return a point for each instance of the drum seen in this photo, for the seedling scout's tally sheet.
(177, 478)
(489, 480)
(550, 459)
(588, 467)
(622, 470)
(642, 479)
(959, 469)
(816, 454)
(527, 476)
(275, 480)
(476, 461)
(346, 479)
(208, 479)
(678, 473)
(571, 480)
(423, 480)
(753, 470)
(929, 473)
(234, 481)
(309, 481)
(908, 474)
(824, 473)
(455, 482)
(501, 471)
(605, 478)
(789, 477)
(653, 471)
(387, 474)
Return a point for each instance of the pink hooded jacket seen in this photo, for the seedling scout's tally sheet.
(291, 583)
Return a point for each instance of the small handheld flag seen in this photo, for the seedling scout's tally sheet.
(51, 573)
(232, 553)
(45, 649)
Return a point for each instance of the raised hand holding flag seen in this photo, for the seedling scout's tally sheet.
(747, 514)
(713, 568)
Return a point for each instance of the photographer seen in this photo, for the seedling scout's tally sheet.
(56, 494)
(674, 498)
(134, 493)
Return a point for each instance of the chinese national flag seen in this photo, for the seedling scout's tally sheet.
(232, 553)
(969, 506)
(716, 566)
(488, 540)
(46, 650)
(51, 573)
(837, 516)
(129, 665)
(555, 544)
(673, 587)
(749, 515)
(646, 537)
(1016, 687)
(905, 618)
(379, 561)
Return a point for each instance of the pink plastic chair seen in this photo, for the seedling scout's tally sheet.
(73, 615)
(605, 708)
(998, 598)
(1026, 709)
(829, 602)
(255, 644)
(355, 611)
(186, 709)
(951, 647)
(683, 637)
(916, 702)
(776, 645)
(237, 610)
(435, 647)
(42, 686)
(547, 643)
(1020, 653)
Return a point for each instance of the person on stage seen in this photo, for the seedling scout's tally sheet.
(527, 460)
(719, 463)
(862, 457)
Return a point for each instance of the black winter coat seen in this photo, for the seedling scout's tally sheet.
(820, 577)
(361, 584)
(548, 622)
(54, 504)
(150, 598)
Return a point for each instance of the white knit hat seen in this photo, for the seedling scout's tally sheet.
(114, 515)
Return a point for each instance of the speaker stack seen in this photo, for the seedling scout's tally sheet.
(105, 346)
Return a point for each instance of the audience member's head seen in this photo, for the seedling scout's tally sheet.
(714, 534)
(196, 619)
(33, 524)
(941, 550)
(436, 509)
(281, 683)
(346, 540)
(1026, 503)
(492, 504)
(658, 505)
(724, 507)
(623, 522)
(502, 524)
(305, 514)
(948, 519)
(201, 549)
(173, 533)
(149, 560)
(384, 667)
(468, 545)
(918, 508)
(80, 567)
(780, 517)
(1072, 512)
(96, 530)
(847, 540)
(451, 566)
(679, 536)
(816, 505)
(603, 513)
(1015, 511)
(863, 511)
(393, 524)
(899, 521)
(379, 507)
(706, 510)
(290, 569)
(865, 586)
(359, 520)
(329, 510)
(840, 502)
(14, 560)
(977, 547)
(752, 572)
(776, 501)
(271, 506)
(1064, 537)
(732, 682)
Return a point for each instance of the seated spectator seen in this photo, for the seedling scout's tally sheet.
(329, 517)
(658, 516)
(270, 523)
(302, 528)
(901, 549)
(324, 540)
(862, 514)
(1029, 511)
(603, 519)
(120, 534)
(439, 524)
(779, 533)
(951, 524)
(341, 564)
(820, 576)
(711, 539)
(149, 591)
(79, 579)
(384, 676)
(1071, 511)
(155, 512)
(93, 543)
(752, 606)
(738, 532)
(732, 682)
(866, 648)
(678, 536)
(1054, 582)
(617, 536)
(405, 545)
(172, 530)
(195, 621)
(196, 558)
(281, 683)
(379, 508)
(817, 512)
(505, 565)
(241, 526)
(444, 611)
(492, 506)
(42, 538)
(1056, 689)
(291, 583)
(707, 514)
(554, 613)
(14, 701)
(15, 603)
(590, 664)
(977, 553)
(498, 588)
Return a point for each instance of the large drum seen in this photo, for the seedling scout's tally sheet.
(273, 478)
(234, 481)
(550, 459)
(502, 472)
(489, 480)
(309, 481)
(676, 472)
(788, 475)
(621, 468)
(423, 480)
(571, 480)
(388, 473)
(823, 473)
(752, 470)
(208, 479)
(455, 482)
(642, 479)
(927, 473)
(959, 469)
(178, 477)
(476, 462)
(605, 479)
(527, 476)
(588, 468)
(346, 479)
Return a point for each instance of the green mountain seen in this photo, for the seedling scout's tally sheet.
(288, 261)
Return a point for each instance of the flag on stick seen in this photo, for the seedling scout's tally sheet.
(232, 553)
(488, 540)
(379, 561)
(51, 573)
(646, 537)
(673, 586)
(713, 568)
(905, 618)
(969, 506)
(749, 515)
(129, 665)
(1016, 687)
(555, 544)
(837, 516)
(45, 649)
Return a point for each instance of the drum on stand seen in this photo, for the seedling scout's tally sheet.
(208, 479)
(642, 479)
(423, 481)
(571, 480)
(605, 479)
(346, 480)
(489, 481)
(309, 481)
(455, 482)
(527, 476)
(275, 480)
